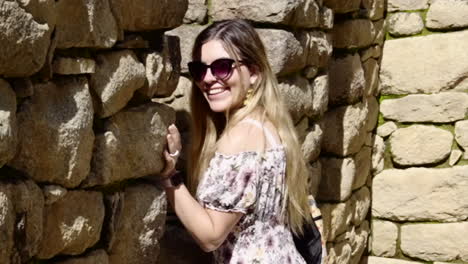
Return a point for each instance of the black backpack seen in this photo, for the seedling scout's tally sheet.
(309, 244)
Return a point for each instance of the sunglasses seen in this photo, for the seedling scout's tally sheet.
(220, 68)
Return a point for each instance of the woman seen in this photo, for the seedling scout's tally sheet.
(245, 160)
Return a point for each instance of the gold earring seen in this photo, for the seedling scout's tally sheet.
(248, 96)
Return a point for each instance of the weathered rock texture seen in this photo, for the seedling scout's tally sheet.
(447, 14)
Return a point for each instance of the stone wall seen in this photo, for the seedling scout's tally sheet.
(419, 199)
(87, 91)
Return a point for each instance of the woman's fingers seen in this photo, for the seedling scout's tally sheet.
(170, 164)
(174, 132)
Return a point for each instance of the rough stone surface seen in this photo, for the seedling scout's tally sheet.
(187, 35)
(56, 132)
(302, 13)
(405, 5)
(68, 66)
(380, 31)
(373, 113)
(85, 23)
(455, 155)
(8, 127)
(137, 226)
(118, 75)
(53, 193)
(435, 108)
(384, 238)
(428, 64)
(358, 239)
(419, 144)
(372, 52)
(326, 17)
(405, 24)
(21, 220)
(98, 256)
(361, 204)
(24, 26)
(371, 72)
(344, 129)
(297, 93)
(380, 260)
(447, 14)
(72, 224)
(386, 129)
(336, 219)
(363, 166)
(347, 80)
(144, 15)
(435, 242)
(23, 87)
(320, 90)
(311, 145)
(378, 150)
(342, 7)
(461, 133)
(285, 53)
(354, 33)
(196, 12)
(339, 253)
(337, 178)
(317, 48)
(162, 69)
(374, 8)
(132, 144)
(421, 194)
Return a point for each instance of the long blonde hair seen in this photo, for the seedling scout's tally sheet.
(241, 40)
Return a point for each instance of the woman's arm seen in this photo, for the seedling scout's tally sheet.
(208, 227)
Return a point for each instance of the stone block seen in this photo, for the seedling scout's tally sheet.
(196, 12)
(344, 129)
(312, 142)
(406, 5)
(360, 201)
(421, 194)
(435, 242)
(72, 224)
(455, 155)
(461, 133)
(320, 90)
(353, 33)
(338, 176)
(131, 145)
(378, 152)
(339, 252)
(118, 75)
(447, 14)
(341, 7)
(137, 225)
(56, 132)
(8, 125)
(363, 166)
(371, 72)
(25, 26)
(301, 13)
(374, 8)
(405, 24)
(315, 175)
(347, 80)
(384, 238)
(374, 52)
(373, 113)
(98, 256)
(146, 15)
(386, 129)
(420, 145)
(68, 66)
(85, 23)
(317, 47)
(296, 91)
(380, 260)
(428, 64)
(431, 108)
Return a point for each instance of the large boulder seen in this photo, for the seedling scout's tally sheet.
(56, 132)
(118, 75)
(421, 194)
(427, 64)
(25, 26)
(136, 224)
(347, 80)
(353, 33)
(72, 224)
(297, 93)
(447, 14)
(131, 145)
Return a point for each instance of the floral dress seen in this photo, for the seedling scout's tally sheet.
(252, 183)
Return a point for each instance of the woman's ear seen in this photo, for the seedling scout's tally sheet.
(254, 72)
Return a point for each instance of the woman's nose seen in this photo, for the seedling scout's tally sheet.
(209, 77)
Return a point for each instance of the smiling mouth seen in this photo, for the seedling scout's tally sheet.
(216, 91)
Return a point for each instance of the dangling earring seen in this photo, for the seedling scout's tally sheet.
(248, 96)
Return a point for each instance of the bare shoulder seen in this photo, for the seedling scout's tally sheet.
(245, 136)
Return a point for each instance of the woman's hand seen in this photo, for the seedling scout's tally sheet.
(171, 154)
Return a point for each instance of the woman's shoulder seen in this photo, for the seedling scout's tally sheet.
(247, 135)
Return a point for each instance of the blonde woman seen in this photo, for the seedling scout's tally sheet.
(246, 167)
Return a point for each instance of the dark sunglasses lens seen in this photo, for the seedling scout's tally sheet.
(197, 70)
(222, 68)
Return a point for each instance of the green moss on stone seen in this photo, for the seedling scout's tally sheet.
(390, 96)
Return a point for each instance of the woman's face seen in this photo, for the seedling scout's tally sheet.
(227, 93)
